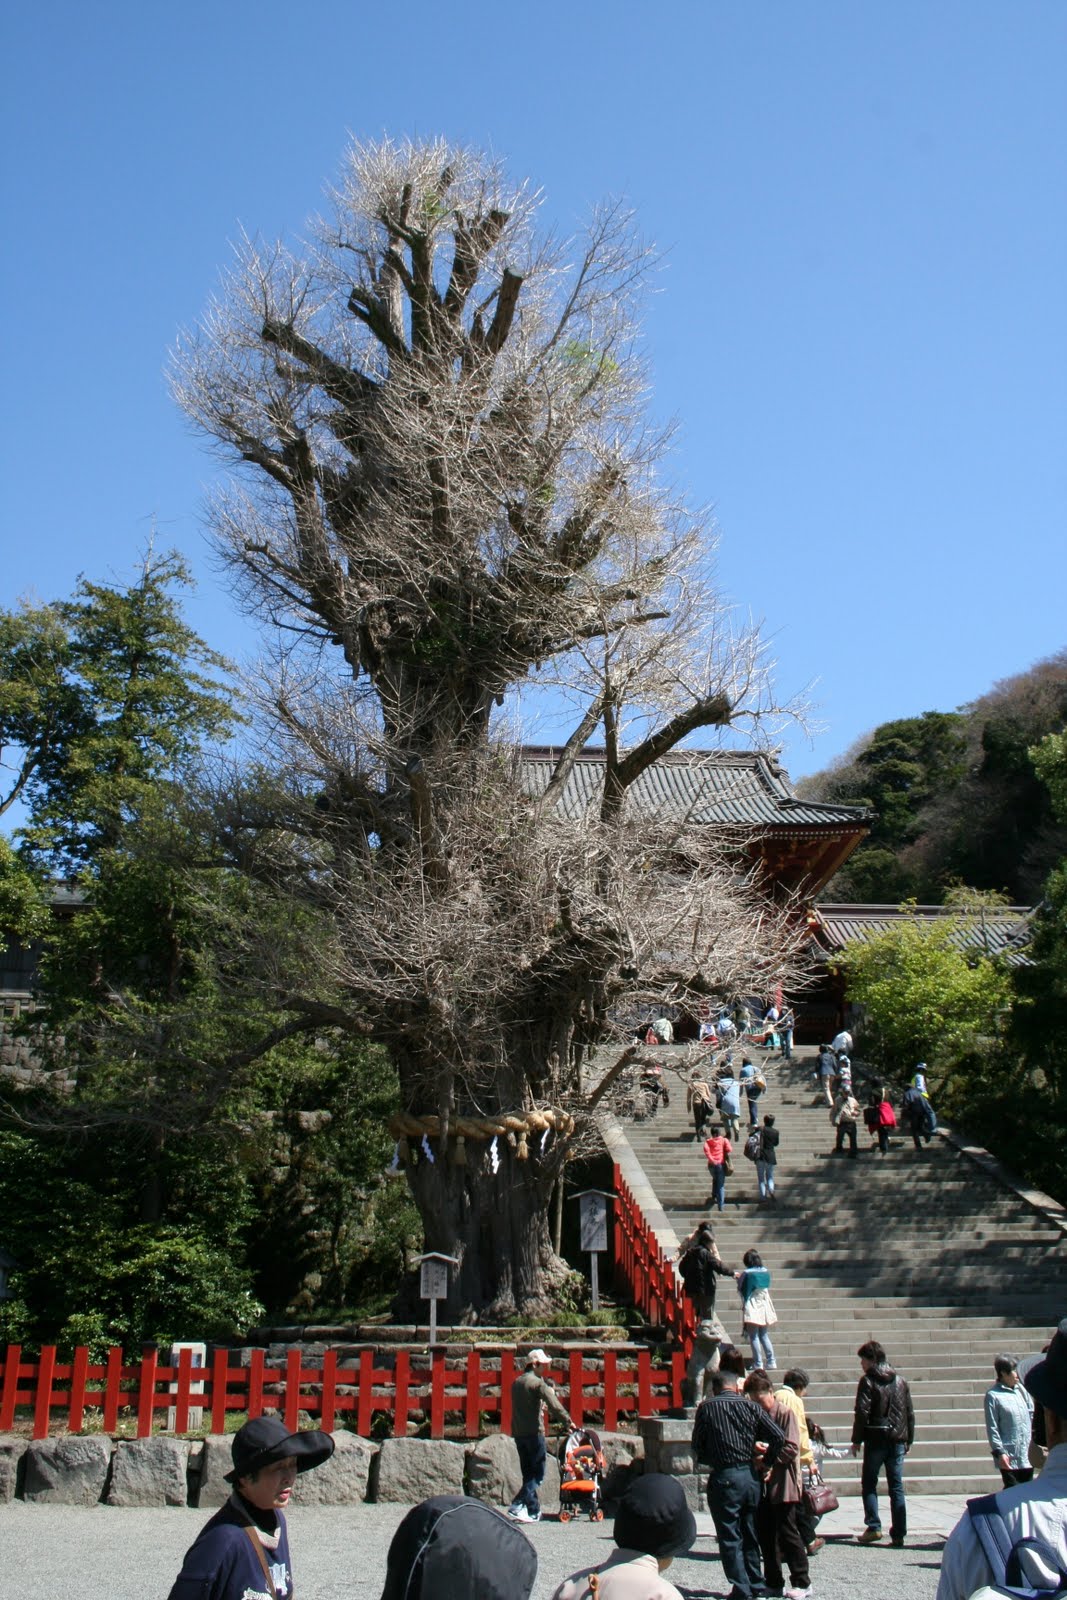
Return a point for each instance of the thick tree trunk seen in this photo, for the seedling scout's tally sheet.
(495, 1224)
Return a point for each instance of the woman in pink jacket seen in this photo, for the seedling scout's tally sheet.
(717, 1148)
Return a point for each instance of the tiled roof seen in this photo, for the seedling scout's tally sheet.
(726, 788)
(1003, 932)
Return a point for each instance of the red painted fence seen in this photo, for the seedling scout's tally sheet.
(646, 1272)
(453, 1393)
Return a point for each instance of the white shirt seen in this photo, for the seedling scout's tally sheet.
(843, 1041)
(1035, 1510)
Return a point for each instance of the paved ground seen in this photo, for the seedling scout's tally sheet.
(100, 1553)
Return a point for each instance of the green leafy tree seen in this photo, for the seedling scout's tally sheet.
(140, 1176)
(927, 995)
(1039, 1015)
(956, 796)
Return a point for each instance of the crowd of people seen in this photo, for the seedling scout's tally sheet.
(754, 1436)
(762, 1452)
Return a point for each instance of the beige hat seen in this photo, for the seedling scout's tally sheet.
(539, 1356)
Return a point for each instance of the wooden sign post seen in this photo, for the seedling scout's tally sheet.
(433, 1283)
(593, 1230)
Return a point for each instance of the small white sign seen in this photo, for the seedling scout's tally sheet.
(593, 1220)
(196, 1386)
(433, 1279)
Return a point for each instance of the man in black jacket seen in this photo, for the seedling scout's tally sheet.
(884, 1427)
(698, 1267)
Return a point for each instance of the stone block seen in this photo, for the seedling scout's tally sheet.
(12, 1450)
(493, 1472)
(675, 1457)
(408, 1470)
(624, 1460)
(70, 1471)
(149, 1472)
(341, 1481)
(695, 1485)
(215, 1459)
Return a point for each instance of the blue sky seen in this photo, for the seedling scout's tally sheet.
(860, 323)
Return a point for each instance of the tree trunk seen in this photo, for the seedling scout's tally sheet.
(494, 1224)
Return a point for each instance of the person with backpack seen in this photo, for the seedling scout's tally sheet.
(698, 1266)
(1018, 1536)
(887, 1121)
(766, 1158)
(717, 1150)
(826, 1072)
(753, 1083)
(883, 1427)
(916, 1115)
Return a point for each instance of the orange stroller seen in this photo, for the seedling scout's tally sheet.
(582, 1469)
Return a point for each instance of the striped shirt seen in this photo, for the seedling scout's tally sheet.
(727, 1428)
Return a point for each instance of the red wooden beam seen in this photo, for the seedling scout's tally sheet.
(400, 1404)
(328, 1406)
(219, 1380)
(112, 1389)
(293, 1378)
(9, 1392)
(46, 1363)
(79, 1374)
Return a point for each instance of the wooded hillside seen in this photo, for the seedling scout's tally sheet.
(956, 797)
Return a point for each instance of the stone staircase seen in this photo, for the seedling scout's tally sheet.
(932, 1252)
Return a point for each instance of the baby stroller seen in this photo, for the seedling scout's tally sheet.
(581, 1472)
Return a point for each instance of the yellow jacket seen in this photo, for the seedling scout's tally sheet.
(791, 1400)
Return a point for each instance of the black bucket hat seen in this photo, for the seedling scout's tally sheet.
(1047, 1379)
(267, 1439)
(653, 1517)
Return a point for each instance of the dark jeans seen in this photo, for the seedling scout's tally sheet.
(733, 1500)
(883, 1139)
(879, 1453)
(846, 1130)
(1016, 1475)
(781, 1540)
(718, 1183)
(531, 1448)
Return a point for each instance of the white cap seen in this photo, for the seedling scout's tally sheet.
(539, 1356)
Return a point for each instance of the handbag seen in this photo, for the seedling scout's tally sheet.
(727, 1164)
(819, 1496)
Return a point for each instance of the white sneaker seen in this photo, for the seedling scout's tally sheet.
(798, 1594)
(519, 1513)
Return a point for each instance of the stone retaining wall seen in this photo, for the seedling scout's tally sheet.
(87, 1469)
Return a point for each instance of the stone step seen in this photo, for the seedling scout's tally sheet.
(926, 1250)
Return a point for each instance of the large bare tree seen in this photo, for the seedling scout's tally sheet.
(447, 479)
